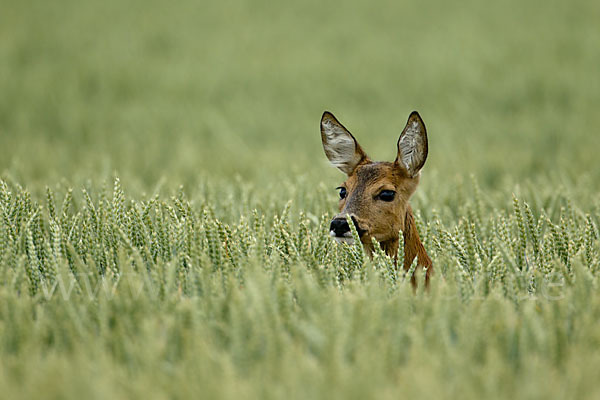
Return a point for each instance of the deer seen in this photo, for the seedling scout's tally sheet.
(375, 196)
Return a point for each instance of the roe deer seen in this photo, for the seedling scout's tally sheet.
(375, 195)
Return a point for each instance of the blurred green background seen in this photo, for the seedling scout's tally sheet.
(181, 91)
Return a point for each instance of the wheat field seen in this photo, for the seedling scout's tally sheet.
(165, 200)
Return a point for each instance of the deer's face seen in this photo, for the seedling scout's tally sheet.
(375, 194)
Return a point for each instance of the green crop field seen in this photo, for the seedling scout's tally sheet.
(165, 200)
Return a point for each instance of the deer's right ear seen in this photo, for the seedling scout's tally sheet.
(341, 148)
(412, 145)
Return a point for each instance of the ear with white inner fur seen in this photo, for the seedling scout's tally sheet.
(412, 145)
(341, 148)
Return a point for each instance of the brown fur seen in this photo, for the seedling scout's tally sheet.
(379, 219)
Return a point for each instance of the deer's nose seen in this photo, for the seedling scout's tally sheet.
(339, 226)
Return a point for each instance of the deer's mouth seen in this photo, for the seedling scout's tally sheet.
(345, 238)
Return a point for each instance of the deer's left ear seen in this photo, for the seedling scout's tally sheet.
(412, 145)
(340, 146)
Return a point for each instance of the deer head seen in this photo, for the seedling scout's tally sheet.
(376, 193)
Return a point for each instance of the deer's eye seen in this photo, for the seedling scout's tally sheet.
(342, 192)
(386, 195)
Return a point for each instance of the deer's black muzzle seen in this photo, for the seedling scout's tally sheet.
(340, 227)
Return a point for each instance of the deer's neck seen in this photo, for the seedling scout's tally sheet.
(390, 247)
(412, 246)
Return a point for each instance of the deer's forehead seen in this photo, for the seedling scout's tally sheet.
(375, 173)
